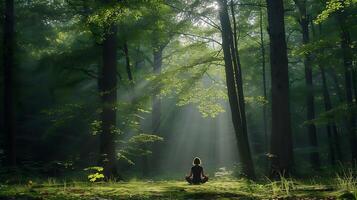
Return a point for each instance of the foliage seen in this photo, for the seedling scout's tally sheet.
(337, 114)
(96, 173)
(333, 6)
(347, 179)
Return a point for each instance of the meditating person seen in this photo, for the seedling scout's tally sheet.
(196, 174)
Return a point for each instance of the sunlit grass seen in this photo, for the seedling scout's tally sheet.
(215, 189)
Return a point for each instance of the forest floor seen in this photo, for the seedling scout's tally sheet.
(167, 190)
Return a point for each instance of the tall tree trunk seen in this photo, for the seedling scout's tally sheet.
(281, 136)
(8, 56)
(231, 79)
(331, 128)
(347, 62)
(333, 74)
(133, 100)
(237, 68)
(311, 128)
(327, 103)
(156, 102)
(127, 60)
(108, 92)
(262, 49)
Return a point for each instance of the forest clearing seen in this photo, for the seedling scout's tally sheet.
(172, 190)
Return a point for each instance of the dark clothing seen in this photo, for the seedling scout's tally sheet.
(197, 175)
(190, 180)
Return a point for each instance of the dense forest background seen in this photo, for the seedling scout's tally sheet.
(141, 87)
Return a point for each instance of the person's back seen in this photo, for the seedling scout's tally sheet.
(196, 174)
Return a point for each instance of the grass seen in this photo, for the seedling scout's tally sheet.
(166, 190)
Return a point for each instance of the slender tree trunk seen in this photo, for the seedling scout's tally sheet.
(347, 62)
(127, 60)
(333, 74)
(145, 162)
(236, 109)
(8, 58)
(328, 107)
(237, 68)
(331, 128)
(262, 49)
(156, 102)
(108, 92)
(311, 128)
(281, 136)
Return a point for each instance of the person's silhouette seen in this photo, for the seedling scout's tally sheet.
(196, 175)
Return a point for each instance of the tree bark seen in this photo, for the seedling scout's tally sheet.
(108, 92)
(281, 136)
(310, 113)
(232, 79)
(9, 107)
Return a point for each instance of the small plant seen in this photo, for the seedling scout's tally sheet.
(346, 180)
(96, 173)
(51, 182)
(283, 186)
(287, 185)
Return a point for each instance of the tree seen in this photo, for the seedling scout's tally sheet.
(156, 101)
(8, 67)
(331, 127)
(108, 93)
(281, 136)
(350, 80)
(311, 128)
(262, 49)
(342, 10)
(233, 77)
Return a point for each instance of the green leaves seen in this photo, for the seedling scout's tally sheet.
(107, 16)
(137, 145)
(97, 173)
(337, 114)
(143, 139)
(333, 6)
(193, 75)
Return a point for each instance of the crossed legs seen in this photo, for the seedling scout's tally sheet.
(190, 180)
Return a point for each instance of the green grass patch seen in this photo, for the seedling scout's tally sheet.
(167, 190)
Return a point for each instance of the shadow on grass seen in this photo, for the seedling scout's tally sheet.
(176, 192)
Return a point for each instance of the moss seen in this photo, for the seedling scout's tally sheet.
(216, 189)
